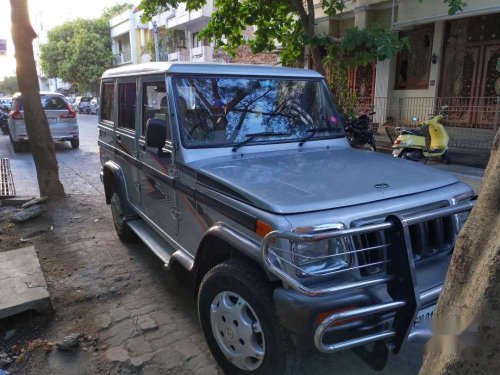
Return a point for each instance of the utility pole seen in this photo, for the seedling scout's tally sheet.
(155, 36)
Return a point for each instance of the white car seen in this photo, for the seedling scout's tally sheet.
(61, 116)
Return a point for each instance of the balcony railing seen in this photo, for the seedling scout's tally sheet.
(123, 57)
(472, 121)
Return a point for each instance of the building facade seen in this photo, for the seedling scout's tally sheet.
(453, 61)
(177, 31)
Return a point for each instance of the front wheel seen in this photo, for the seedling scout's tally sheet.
(75, 143)
(236, 312)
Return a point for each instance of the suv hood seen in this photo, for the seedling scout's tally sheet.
(312, 180)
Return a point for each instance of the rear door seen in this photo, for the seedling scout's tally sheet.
(125, 136)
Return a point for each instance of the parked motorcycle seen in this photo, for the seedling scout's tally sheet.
(4, 119)
(359, 132)
(429, 140)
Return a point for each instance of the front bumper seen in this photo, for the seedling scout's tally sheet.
(356, 318)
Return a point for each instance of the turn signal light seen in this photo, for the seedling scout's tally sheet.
(322, 316)
(397, 142)
(71, 113)
(262, 228)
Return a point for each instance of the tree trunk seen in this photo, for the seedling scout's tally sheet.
(469, 307)
(317, 61)
(37, 126)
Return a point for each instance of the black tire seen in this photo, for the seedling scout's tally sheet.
(410, 155)
(445, 159)
(280, 356)
(16, 146)
(122, 229)
(75, 142)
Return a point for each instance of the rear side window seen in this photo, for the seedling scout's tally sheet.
(49, 102)
(154, 101)
(126, 105)
(107, 101)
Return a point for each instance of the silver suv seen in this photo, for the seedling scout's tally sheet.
(60, 115)
(243, 176)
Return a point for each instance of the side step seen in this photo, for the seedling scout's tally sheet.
(151, 239)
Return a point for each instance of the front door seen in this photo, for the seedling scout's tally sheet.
(159, 200)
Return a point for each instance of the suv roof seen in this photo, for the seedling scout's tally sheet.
(204, 68)
(17, 95)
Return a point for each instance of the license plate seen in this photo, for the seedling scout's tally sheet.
(424, 316)
(52, 119)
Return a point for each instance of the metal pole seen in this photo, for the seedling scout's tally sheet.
(155, 36)
(393, 13)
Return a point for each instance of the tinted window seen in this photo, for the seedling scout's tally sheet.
(108, 101)
(126, 105)
(86, 99)
(154, 101)
(50, 102)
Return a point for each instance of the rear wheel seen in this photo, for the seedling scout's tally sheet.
(414, 155)
(236, 312)
(122, 229)
(17, 146)
(75, 142)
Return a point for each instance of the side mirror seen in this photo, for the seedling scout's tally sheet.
(156, 135)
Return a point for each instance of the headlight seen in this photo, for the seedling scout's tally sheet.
(321, 257)
(461, 218)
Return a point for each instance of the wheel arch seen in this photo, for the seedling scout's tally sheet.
(113, 181)
(220, 243)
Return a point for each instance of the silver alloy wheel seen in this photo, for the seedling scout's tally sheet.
(237, 330)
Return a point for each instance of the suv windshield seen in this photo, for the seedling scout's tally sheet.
(224, 111)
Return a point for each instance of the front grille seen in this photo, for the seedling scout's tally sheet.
(429, 238)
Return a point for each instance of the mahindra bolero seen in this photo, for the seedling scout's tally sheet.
(243, 176)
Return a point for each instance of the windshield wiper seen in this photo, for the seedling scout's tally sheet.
(312, 134)
(250, 137)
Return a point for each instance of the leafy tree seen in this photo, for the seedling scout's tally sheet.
(37, 126)
(287, 22)
(9, 84)
(78, 52)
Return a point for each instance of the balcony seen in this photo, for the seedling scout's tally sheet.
(202, 54)
(182, 19)
(197, 54)
(123, 57)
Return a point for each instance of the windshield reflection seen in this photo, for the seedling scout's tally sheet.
(223, 111)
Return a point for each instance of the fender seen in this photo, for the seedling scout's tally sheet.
(113, 176)
(237, 244)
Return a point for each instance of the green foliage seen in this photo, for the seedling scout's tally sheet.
(286, 22)
(9, 85)
(358, 48)
(113, 10)
(78, 52)
(454, 6)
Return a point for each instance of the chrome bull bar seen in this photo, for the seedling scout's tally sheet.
(399, 278)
